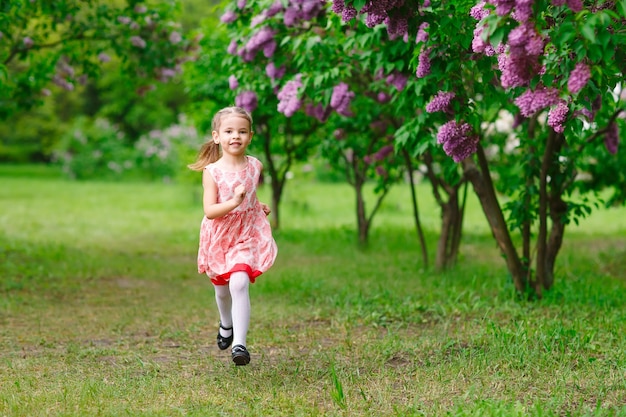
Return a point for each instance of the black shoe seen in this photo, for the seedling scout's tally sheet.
(240, 355)
(224, 342)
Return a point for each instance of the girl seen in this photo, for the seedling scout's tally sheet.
(236, 243)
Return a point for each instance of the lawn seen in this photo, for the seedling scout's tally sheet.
(102, 312)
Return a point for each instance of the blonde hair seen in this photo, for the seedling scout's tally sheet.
(210, 151)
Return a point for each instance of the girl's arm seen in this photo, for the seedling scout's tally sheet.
(213, 209)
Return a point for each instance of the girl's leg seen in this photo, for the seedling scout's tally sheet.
(239, 283)
(224, 306)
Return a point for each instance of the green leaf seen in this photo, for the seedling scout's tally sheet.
(564, 34)
(604, 37)
(358, 4)
(595, 54)
(496, 38)
(608, 54)
(588, 32)
(621, 6)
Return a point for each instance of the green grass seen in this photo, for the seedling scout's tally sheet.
(102, 312)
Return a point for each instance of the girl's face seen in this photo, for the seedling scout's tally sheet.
(234, 134)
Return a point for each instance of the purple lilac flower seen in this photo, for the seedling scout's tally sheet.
(373, 19)
(124, 20)
(232, 47)
(504, 7)
(175, 38)
(298, 10)
(340, 99)
(289, 103)
(423, 66)
(167, 73)
(241, 4)
(348, 13)
(383, 97)
(531, 102)
(479, 12)
(232, 82)
(261, 40)
(422, 34)
(517, 69)
(137, 41)
(578, 78)
(458, 140)
(383, 152)
(586, 113)
(140, 8)
(256, 20)
(611, 139)
(248, 100)
(379, 126)
(28, 42)
(339, 134)
(557, 116)
(103, 57)
(274, 9)
(380, 170)
(398, 80)
(441, 102)
(523, 10)
(228, 17)
(291, 16)
(338, 6)
(273, 72)
(62, 82)
(397, 26)
(575, 5)
(316, 110)
(526, 39)
(478, 44)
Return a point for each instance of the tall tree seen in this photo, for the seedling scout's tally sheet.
(560, 66)
(65, 42)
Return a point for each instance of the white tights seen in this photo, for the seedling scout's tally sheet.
(233, 304)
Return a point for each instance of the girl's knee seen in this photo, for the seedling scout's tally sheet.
(239, 281)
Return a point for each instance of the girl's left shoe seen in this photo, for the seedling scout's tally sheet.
(241, 356)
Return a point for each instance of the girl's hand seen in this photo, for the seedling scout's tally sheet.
(240, 193)
(266, 209)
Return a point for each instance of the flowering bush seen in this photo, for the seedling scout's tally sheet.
(99, 150)
(94, 150)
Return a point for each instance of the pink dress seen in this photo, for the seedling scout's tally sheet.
(242, 239)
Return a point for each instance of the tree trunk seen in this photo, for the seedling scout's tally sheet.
(416, 216)
(483, 186)
(362, 222)
(451, 218)
(276, 179)
(539, 282)
(558, 210)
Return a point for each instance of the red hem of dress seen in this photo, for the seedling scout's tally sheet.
(223, 279)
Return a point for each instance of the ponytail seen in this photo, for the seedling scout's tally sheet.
(209, 153)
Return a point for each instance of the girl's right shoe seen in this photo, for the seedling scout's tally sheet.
(240, 355)
(224, 342)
